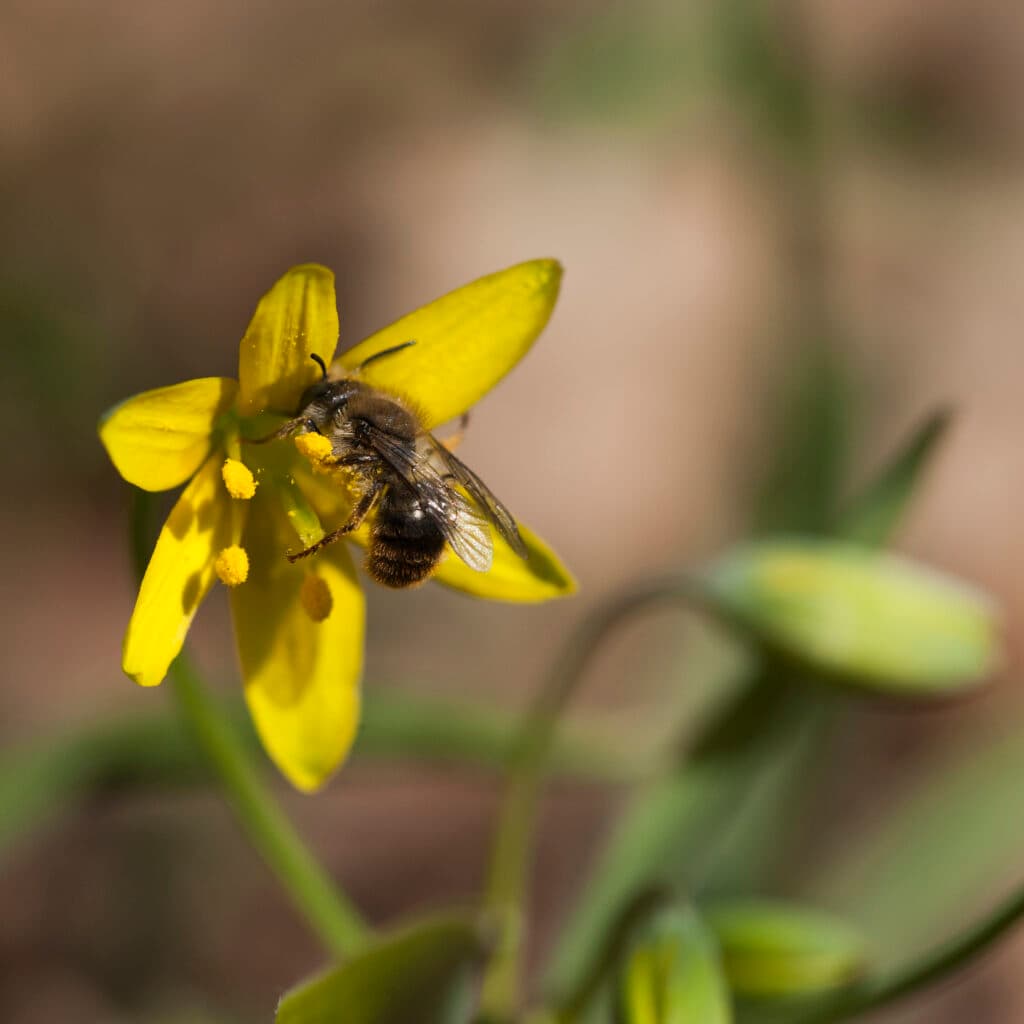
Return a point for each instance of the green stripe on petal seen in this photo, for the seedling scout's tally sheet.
(158, 439)
(295, 319)
(301, 660)
(466, 341)
(539, 577)
(179, 574)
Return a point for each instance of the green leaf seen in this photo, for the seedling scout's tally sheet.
(779, 950)
(415, 974)
(752, 850)
(873, 620)
(873, 516)
(672, 973)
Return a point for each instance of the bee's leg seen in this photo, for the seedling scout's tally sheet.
(285, 430)
(353, 459)
(354, 521)
(454, 440)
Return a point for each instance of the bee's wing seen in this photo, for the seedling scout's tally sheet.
(484, 497)
(461, 525)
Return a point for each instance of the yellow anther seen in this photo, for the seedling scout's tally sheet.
(316, 598)
(315, 447)
(238, 479)
(232, 565)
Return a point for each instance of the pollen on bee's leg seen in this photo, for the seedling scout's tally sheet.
(314, 447)
(232, 565)
(238, 479)
(316, 598)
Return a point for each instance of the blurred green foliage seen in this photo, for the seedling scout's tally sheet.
(51, 364)
(801, 488)
(416, 974)
(706, 816)
(873, 620)
(949, 838)
(671, 923)
(774, 949)
(672, 973)
(638, 66)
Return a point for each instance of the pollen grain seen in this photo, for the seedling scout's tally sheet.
(315, 447)
(232, 565)
(238, 479)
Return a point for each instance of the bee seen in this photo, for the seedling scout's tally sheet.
(413, 483)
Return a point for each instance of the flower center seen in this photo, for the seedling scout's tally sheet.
(232, 565)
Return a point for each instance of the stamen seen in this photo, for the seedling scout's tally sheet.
(316, 598)
(238, 479)
(232, 565)
(315, 447)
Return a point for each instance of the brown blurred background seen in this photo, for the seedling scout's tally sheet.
(161, 165)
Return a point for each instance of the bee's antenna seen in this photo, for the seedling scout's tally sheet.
(319, 362)
(385, 352)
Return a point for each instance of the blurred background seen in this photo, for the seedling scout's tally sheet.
(793, 227)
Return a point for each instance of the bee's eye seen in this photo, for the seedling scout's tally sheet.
(311, 394)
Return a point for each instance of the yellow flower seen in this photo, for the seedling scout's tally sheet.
(299, 627)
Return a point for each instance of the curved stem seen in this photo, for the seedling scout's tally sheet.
(514, 837)
(327, 911)
(931, 967)
(312, 891)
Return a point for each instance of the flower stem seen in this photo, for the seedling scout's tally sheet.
(506, 887)
(313, 892)
(931, 967)
(327, 911)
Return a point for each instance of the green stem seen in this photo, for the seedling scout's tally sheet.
(330, 915)
(512, 850)
(931, 967)
(689, 812)
(327, 911)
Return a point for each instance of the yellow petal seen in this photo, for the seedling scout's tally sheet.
(301, 671)
(296, 318)
(540, 577)
(466, 341)
(180, 572)
(158, 439)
